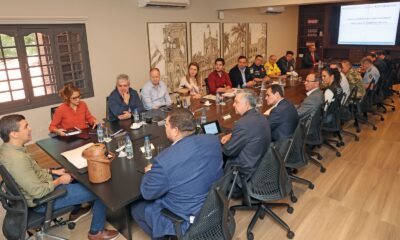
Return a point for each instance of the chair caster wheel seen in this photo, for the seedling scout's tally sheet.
(290, 235)
(358, 130)
(322, 169)
(338, 154)
(290, 210)
(311, 186)
(250, 236)
(382, 119)
(232, 211)
(338, 144)
(357, 138)
(374, 128)
(319, 157)
(262, 216)
(293, 199)
(295, 171)
(393, 109)
(71, 225)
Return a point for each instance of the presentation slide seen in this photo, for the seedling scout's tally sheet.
(369, 24)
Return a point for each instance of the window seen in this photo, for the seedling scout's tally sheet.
(37, 60)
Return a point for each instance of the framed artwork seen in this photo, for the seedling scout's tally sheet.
(256, 41)
(205, 39)
(168, 51)
(234, 38)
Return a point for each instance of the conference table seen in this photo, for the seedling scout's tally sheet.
(124, 186)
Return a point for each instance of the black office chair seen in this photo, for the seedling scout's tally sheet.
(346, 115)
(365, 106)
(206, 83)
(19, 218)
(52, 111)
(269, 182)
(215, 221)
(107, 118)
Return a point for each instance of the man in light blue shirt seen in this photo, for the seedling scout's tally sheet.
(371, 72)
(155, 92)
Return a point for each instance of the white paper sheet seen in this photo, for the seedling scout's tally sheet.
(74, 156)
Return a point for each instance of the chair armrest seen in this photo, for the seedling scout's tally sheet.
(51, 196)
(172, 216)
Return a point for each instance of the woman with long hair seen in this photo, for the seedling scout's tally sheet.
(73, 113)
(331, 78)
(192, 81)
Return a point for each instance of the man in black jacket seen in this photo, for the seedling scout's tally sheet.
(310, 58)
(286, 63)
(240, 74)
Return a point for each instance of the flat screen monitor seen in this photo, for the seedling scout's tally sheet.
(369, 24)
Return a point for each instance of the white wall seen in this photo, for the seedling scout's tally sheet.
(117, 38)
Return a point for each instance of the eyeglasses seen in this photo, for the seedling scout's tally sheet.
(306, 81)
(77, 97)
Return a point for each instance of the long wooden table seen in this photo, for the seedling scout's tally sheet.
(124, 186)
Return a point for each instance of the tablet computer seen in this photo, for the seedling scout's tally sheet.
(211, 128)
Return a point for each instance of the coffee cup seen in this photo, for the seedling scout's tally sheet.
(207, 102)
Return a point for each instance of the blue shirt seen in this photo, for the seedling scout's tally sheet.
(372, 74)
(155, 96)
(116, 104)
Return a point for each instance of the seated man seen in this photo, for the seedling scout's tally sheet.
(314, 99)
(240, 74)
(36, 182)
(354, 78)
(378, 63)
(155, 92)
(344, 82)
(257, 69)
(179, 178)
(123, 100)
(282, 115)
(272, 68)
(371, 73)
(218, 80)
(286, 63)
(251, 134)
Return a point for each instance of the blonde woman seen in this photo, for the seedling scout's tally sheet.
(192, 81)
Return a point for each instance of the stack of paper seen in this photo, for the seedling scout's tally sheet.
(74, 156)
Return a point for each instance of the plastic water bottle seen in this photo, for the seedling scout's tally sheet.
(136, 116)
(128, 147)
(203, 118)
(147, 148)
(100, 133)
(217, 98)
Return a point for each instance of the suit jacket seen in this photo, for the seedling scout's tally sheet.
(283, 119)
(307, 61)
(236, 76)
(311, 104)
(250, 140)
(284, 65)
(180, 179)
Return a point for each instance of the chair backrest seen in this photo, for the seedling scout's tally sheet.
(107, 110)
(314, 136)
(331, 120)
(270, 180)
(206, 84)
(52, 111)
(294, 154)
(13, 201)
(215, 220)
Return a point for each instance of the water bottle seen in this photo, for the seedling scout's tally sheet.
(203, 118)
(184, 103)
(100, 133)
(128, 147)
(147, 148)
(217, 98)
(136, 116)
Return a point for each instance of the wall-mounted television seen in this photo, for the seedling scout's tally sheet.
(369, 24)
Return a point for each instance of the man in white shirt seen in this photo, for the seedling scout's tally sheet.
(155, 92)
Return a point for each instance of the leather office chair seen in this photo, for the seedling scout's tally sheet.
(19, 217)
(269, 182)
(52, 111)
(215, 221)
(206, 84)
(346, 113)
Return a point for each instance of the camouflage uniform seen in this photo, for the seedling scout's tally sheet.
(355, 80)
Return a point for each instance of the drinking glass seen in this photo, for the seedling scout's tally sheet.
(107, 134)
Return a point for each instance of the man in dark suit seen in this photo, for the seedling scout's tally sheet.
(286, 63)
(240, 74)
(179, 178)
(282, 115)
(250, 137)
(310, 58)
(314, 99)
